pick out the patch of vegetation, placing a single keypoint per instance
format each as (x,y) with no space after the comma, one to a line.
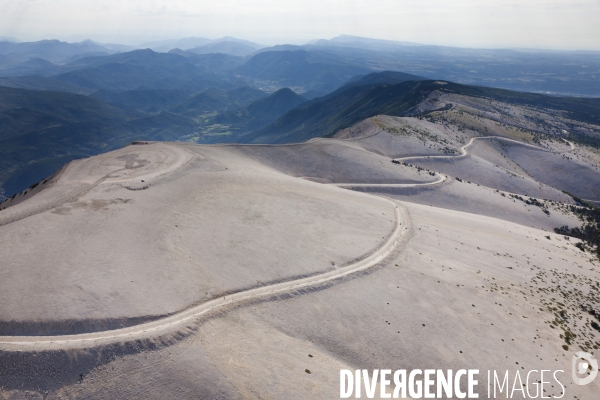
(583,139)
(569,298)
(577,108)
(326,116)
(532,201)
(589,232)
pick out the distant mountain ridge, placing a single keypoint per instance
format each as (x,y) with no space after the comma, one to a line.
(317,73)
(52,50)
(227,45)
(280,94)
(313,70)
(377,78)
(146,69)
(261,112)
(364,43)
(214,99)
(126,71)
(323,117)
(548,72)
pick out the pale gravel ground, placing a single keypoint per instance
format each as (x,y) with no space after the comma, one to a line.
(80,176)
(214,227)
(436,304)
(562,171)
(480,200)
(334,161)
(262,351)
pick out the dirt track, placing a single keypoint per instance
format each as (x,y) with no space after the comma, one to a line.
(441,177)
(156,328)
(180,319)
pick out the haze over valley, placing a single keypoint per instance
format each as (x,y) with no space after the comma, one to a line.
(219,218)
(210,91)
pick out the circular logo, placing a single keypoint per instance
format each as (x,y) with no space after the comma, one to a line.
(582,363)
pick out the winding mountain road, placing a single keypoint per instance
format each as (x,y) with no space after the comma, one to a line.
(180,320)
(464,152)
(184,318)
(441,177)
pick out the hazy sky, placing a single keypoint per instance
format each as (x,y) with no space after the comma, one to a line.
(552,24)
